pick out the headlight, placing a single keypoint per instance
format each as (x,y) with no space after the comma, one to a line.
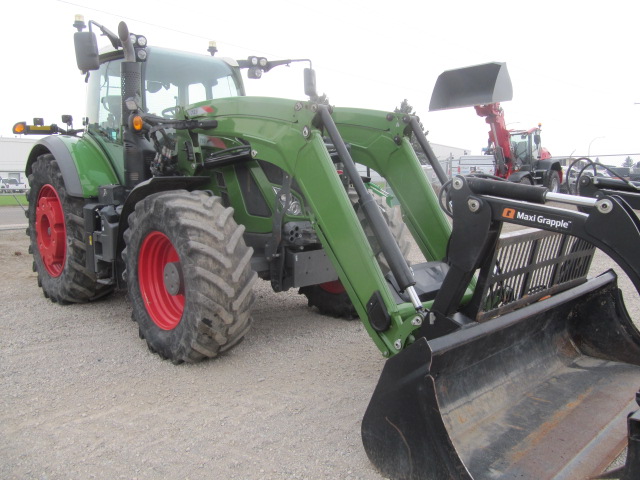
(295,207)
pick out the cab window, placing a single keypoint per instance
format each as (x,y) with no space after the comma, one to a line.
(105,114)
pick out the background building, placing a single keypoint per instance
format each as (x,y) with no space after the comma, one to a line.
(13,157)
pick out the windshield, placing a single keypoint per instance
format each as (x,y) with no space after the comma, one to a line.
(179,79)
(520,146)
(171,79)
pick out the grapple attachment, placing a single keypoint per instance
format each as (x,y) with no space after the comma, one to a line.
(469,86)
(539,385)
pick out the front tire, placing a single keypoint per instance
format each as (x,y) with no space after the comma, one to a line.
(553,182)
(189,275)
(526,181)
(56,232)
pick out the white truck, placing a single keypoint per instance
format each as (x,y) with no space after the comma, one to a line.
(467,164)
(12,185)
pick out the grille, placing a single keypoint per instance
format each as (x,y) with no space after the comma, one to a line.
(529,265)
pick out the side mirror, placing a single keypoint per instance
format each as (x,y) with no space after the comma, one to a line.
(310,83)
(536,139)
(86,51)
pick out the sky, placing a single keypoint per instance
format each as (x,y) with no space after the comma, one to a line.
(574,65)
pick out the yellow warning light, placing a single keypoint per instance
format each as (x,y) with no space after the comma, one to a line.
(19,128)
(137,123)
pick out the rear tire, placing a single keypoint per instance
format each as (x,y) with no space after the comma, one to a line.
(189,275)
(331,298)
(56,232)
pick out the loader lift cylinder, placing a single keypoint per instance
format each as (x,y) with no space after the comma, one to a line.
(401,271)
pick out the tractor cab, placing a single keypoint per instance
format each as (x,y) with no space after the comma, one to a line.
(170,80)
(526,148)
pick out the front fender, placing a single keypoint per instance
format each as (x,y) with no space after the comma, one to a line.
(83,165)
(546,166)
(517,177)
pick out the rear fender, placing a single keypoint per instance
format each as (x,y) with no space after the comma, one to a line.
(84,167)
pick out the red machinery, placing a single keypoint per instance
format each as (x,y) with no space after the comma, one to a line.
(518,153)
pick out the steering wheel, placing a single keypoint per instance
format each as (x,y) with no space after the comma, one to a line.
(169,112)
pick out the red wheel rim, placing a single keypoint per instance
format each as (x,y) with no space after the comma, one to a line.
(51,232)
(334,287)
(164,309)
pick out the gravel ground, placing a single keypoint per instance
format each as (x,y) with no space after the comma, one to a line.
(82,397)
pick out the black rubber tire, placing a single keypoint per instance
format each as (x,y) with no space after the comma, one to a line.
(74,284)
(525,181)
(553,181)
(215,265)
(335,302)
(330,299)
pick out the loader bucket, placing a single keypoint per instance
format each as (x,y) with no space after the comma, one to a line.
(469,86)
(537,393)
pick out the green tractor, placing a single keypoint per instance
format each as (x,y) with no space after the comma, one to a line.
(183,191)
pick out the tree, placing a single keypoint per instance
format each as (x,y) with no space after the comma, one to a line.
(407,109)
(628,162)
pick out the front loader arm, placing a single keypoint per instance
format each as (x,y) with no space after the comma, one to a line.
(498,136)
(381,142)
(291,135)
